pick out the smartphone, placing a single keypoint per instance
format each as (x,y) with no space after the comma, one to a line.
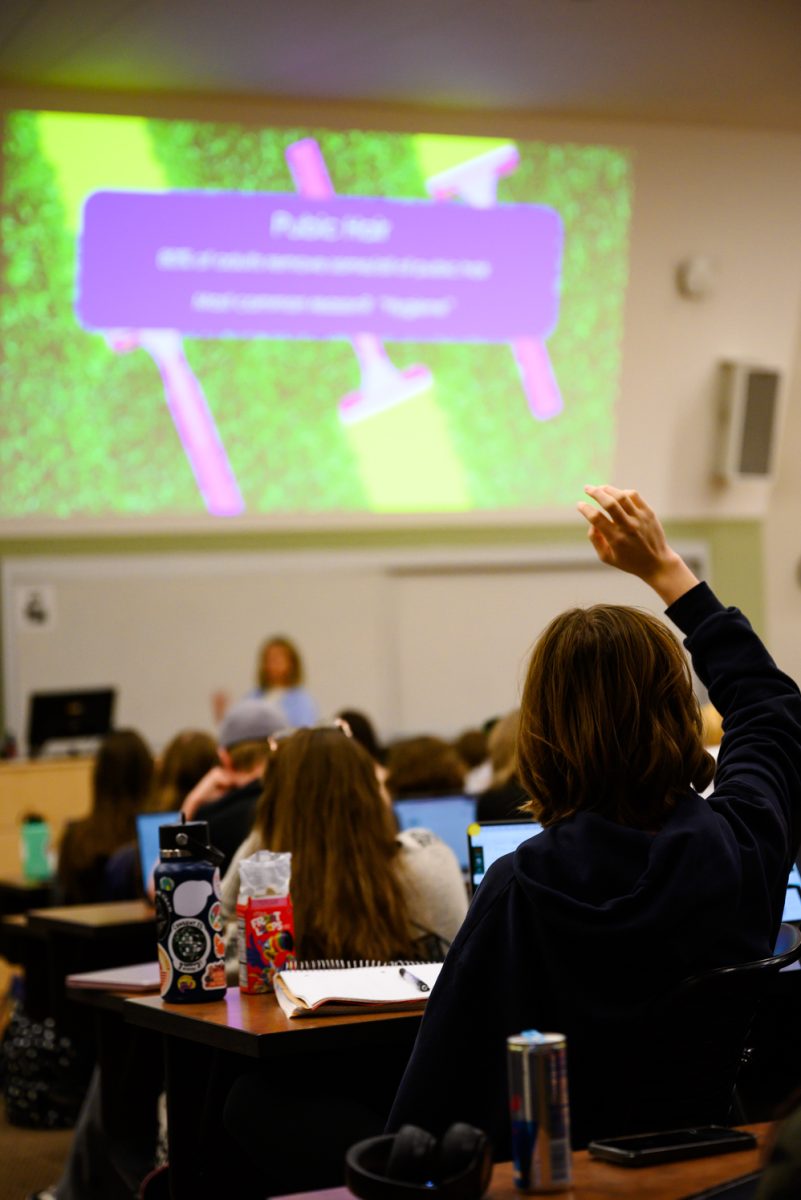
(646,1149)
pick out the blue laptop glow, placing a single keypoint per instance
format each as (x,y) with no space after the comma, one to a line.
(792,902)
(488,840)
(147,834)
(446,816)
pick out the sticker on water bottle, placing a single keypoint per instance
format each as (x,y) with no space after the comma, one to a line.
(189,945)
(214,976)
(165,971)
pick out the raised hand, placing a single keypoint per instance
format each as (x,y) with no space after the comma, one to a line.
(626,533)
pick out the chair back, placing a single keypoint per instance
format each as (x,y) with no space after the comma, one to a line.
(696,1037)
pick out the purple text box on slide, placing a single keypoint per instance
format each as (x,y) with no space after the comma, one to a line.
(260,264)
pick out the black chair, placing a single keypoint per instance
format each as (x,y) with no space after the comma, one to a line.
(700,1039)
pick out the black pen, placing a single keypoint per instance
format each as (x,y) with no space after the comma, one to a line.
(420,984)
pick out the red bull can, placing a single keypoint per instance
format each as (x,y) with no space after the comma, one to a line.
(539,1111)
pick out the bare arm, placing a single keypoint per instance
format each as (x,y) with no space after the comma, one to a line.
(626,533)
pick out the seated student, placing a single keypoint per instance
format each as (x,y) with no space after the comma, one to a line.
(471,746)
(505,797)
(359,888)
(121,781)
(636,882)
(189,756)
(364,732)
(227,794)
(424,766)
(359,891)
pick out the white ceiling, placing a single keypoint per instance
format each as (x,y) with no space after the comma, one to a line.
(721,62)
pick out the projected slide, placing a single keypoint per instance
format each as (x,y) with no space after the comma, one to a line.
(210,318)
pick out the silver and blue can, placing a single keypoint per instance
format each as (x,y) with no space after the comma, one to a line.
(540,1111)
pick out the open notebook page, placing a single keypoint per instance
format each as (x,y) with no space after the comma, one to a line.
(370,986)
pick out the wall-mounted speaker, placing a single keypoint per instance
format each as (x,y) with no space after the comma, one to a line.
(748,410)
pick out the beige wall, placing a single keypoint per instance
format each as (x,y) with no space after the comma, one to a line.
(732,196)
(782,542)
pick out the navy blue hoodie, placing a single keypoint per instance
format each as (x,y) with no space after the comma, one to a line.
(585,926)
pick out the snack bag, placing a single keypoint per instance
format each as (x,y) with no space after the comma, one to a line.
(264,919)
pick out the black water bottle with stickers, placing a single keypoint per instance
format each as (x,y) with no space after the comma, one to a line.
(189,920)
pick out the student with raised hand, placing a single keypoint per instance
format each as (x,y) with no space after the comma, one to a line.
(636,882)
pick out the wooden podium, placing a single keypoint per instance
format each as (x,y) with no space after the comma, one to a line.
(58,789)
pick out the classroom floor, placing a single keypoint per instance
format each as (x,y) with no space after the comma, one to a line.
(32,1158)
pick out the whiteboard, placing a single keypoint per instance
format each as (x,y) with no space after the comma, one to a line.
(420,641)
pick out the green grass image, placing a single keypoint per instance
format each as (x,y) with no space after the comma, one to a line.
(86,432)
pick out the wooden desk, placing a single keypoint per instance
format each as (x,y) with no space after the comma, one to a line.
(256,1027)
(594,1180)
(200,1039)
(17,895)
(88,937)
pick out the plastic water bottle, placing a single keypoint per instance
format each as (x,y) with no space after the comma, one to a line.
(189,920)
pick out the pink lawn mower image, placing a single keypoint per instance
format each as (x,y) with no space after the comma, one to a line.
(156,267)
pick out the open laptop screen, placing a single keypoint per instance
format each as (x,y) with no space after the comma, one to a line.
(792,901)
(446,816)
(147,833)
(489,840)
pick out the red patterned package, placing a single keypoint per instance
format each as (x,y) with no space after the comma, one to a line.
(264,920)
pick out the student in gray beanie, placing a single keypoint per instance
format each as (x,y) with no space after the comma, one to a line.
(226,796)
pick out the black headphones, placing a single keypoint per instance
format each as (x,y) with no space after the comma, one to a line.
(412,1163)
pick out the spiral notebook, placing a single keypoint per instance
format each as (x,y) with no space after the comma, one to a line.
(322,991)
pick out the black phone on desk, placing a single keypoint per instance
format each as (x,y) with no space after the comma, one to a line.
(647,1149)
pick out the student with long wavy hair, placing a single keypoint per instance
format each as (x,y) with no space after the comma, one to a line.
(184,761)
(121,781)
(359,889)
(637,882)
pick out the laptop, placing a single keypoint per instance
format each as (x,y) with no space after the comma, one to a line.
(68,717)
(488,840)
(147,834)
(446,816)
(792,900)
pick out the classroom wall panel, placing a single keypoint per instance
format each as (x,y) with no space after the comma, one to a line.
(421,641)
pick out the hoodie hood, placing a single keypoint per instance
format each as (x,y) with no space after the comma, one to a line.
(593,877)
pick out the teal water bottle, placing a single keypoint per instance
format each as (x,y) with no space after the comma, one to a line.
(189,921)
(35,849)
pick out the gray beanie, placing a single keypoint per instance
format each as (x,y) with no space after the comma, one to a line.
(251,720)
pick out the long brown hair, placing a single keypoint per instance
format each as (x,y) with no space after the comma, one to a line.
(184,761)
(322,802)
(609,720)
(424,766)
(121,783)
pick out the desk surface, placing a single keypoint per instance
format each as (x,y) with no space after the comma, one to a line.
(594,1180)
(255,1025)
(92,920)
(17,883)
